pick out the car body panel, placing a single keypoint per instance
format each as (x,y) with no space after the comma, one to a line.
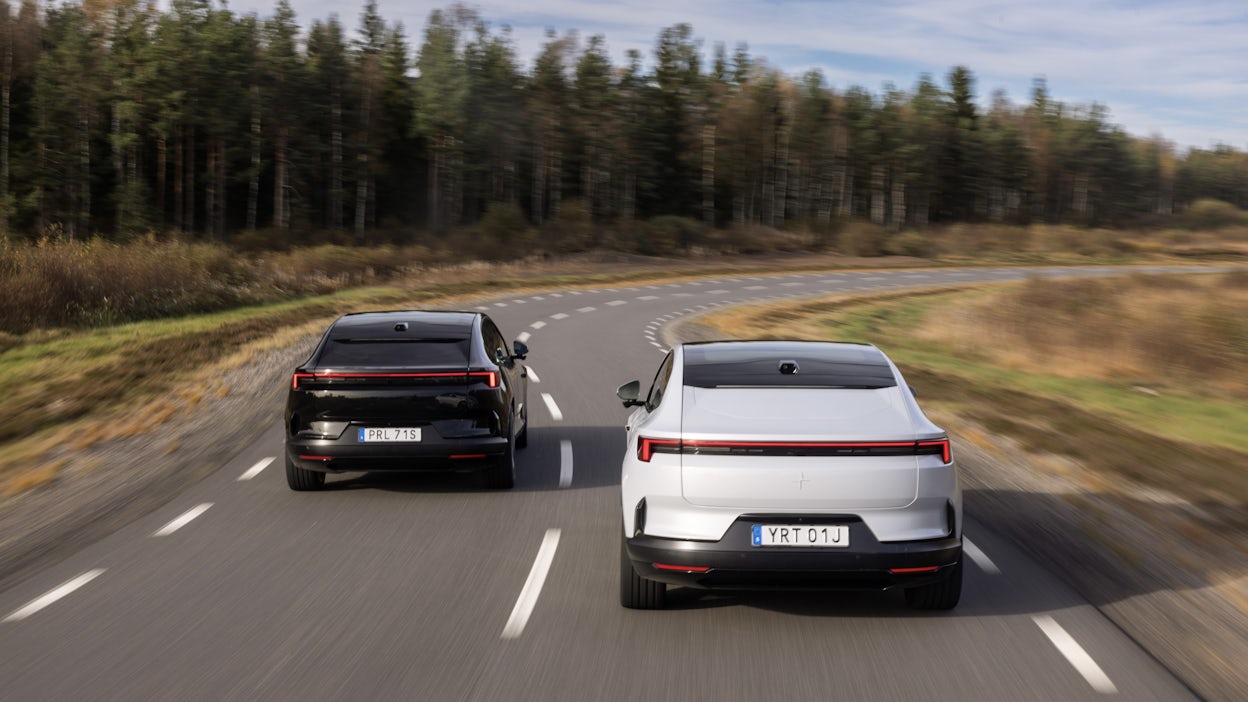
(785,455)
(410,369)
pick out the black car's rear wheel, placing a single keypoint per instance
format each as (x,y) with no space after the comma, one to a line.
(637,592)
(301,479)
(502,475)
(940,595)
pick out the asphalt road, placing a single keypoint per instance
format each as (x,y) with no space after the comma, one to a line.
(428,587)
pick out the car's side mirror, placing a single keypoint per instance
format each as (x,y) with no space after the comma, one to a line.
(520,350)
(630,393)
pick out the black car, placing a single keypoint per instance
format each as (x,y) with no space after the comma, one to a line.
(405,391)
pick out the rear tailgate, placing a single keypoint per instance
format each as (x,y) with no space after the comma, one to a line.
(798,448)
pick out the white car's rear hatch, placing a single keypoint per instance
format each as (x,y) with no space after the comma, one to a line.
(760,448)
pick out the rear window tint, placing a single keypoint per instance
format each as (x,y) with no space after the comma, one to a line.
(394,353)
(758,365)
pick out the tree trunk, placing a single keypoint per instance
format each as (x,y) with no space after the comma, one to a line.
(781,193)
(119,172)
(280,221)
(708,174)
(190,183)
(210,191)
(83,219)
(5,95)
(162,163)
(335,162)
(877,194)
(897,220)
(179,175)
(539,184)
(253,182)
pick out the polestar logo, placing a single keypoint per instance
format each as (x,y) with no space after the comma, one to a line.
(801,482)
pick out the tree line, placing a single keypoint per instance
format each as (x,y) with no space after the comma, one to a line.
(119,119)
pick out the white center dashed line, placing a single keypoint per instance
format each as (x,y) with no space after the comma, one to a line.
(1075,653)
(537,325)
(53,595)
(718,292)
(647,298)
(559,315)
(528,370)
(565,463)
(587,309)
(532,586)
(756,287)
(523,337)
(792,284)
(616,303)
(182,520)
(981,559)
(555,414)
(500,304)
(255,470)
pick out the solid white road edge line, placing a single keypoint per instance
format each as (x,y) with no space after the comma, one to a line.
(1074,653)
(53,595)
(255,470)
(981,559)
(528,370)
(565,463)
(555,414)
(532,586)
(183,520)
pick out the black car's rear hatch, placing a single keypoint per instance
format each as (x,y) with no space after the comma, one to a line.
(389,381)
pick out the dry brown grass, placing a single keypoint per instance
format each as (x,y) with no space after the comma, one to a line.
(1161,331)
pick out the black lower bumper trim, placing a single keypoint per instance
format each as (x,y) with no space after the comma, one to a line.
(733,564)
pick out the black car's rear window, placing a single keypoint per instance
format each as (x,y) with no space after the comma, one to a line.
(394,353)
(758,365)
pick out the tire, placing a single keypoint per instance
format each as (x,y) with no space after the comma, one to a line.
(502,475)
(637,592)
(522,439)
(942,595)
(301,479)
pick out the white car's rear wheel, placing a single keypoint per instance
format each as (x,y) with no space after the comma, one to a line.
(637,592)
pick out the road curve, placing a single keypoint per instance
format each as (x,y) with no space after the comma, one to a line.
(429,588)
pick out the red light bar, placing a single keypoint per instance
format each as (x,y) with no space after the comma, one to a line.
(491,377)
(646,448)
(465,456)
(316,458)
(908,571)
(682,568)
(799,444)
(943,444)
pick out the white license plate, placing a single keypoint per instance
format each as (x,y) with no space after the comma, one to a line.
(389,435)
(833,535)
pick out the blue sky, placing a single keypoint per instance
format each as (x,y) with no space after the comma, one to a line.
(1179,69)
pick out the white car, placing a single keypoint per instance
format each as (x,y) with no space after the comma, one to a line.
(790,464)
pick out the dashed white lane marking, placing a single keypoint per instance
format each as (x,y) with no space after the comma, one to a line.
(53,595)
(537,325)
(616,303)
(718,292)
(532,374)
(556,294)
(559,315)
(682,294)
(565,463)
(523,337)
(555,414)
(532,586)
(1074,653)
(518,302)
(500,304)
(981,559)
(648,297)
(483,308)
(182,520)
(792,284)
(756,287)
(587,309)
(255,470)
(538,298)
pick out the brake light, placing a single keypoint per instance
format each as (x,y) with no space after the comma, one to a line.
(911,571)
(682,568)
(490,377)
(940,446)
(646,448)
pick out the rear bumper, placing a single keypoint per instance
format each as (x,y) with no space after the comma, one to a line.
(341,456)
(733,564)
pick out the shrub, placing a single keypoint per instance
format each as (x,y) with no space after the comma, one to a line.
(1213,214)
(665,235)
(910,243)
(862,239)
